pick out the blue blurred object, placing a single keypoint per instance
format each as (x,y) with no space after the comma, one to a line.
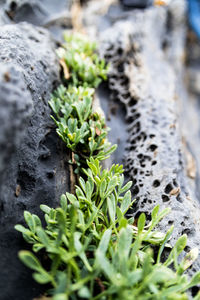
(194,15)
(137,3)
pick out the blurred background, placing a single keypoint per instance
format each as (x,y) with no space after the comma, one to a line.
(151,103)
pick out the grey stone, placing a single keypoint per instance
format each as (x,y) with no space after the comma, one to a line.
(35,11)
(54,15)
(145,71)
(37,171)
(16,108)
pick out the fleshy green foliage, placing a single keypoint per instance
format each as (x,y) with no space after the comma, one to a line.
(84,65)
(91,249)
(83,130)
(94,252)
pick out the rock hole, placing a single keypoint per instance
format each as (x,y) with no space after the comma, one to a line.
(2,207)
(120,51)
(32,38)
(132,102)
(126,96)
(195,290)
(188,231)
(137,116)
(120,68)
(124,81)
(13,6)
(50,174)
(26,181)
(156,183)
(168,188)
(135,190)
(170,222)
(134,181)
(152,147)
(187,249)
(165,198)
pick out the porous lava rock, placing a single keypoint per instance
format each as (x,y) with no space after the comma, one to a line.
(143,76)
(36,172)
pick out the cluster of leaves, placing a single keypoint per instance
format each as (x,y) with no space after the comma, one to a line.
(84,66)
(95,252)
(83,130)
(92,250)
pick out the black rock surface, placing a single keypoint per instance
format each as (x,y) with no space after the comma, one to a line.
(36,173)
(145,76)
(15,112)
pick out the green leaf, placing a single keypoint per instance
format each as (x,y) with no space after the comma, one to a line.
(22,229)
(37,247)
(103,188)
(63,202)
(120,215)
(60,297)
(126,187)
(155,212)
(105,266)
(123,223)
(30,221)
(126,202)
(167,236)
(37,221)
(111,207)
(111,185)
(84,292)
(178,248)
(82,183)
(43,236)
(141,223)
(190,258)
(30,260)
(79,248)
(103,245)
(93,168)
(61,217)
(73,200)
(42,278)
(194,281)
(124,243)
(46,209)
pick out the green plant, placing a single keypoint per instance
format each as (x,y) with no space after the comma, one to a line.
(94,252)
(83,130)
(84,66)
(90,248)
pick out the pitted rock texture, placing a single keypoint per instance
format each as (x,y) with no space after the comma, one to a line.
(36,173)
(144,81)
